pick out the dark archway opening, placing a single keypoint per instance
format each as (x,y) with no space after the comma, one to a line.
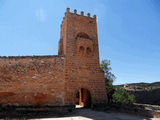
(82,35)
(83,98)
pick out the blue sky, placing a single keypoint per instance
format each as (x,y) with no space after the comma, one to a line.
(128,32)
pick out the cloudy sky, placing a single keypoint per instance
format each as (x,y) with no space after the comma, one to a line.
(128,32)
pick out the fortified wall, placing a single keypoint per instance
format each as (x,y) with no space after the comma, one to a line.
(72,77)
(32,80)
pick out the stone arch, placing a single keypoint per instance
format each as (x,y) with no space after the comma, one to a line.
(83,97)
(83,35)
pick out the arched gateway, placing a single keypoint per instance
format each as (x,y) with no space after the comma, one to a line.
(83,98)
(53,80)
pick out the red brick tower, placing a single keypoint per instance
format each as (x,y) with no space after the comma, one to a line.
(79,44)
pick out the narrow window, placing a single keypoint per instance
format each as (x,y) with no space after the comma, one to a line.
(88,51)
(81,50)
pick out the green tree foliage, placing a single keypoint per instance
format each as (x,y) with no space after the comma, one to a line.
(105,67)
(121,96)
(109,78)
(114,94)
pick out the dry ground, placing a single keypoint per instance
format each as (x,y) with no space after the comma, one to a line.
(88,114)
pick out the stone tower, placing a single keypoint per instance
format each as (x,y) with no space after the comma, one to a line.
(79,44)
(64,80)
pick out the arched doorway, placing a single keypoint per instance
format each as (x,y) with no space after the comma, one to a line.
(83,98)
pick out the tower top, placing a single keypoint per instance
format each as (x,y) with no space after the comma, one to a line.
(81,14)
(81,31)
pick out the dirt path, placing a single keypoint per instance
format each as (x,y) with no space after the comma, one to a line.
(88,114)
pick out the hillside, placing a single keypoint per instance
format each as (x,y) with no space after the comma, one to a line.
(145,93)
(141,86)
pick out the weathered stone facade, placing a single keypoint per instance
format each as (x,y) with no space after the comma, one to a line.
(57,80)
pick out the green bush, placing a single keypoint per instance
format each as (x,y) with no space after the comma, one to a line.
(110,91)
(121,96)
(109,78)
(114,94)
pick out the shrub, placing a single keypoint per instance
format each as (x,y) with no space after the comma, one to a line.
(110,91)
(109,78)
(121,96)
(114,94)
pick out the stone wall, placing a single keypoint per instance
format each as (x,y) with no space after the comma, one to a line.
(147,96)
(55,80)
(32,80)
(79,44)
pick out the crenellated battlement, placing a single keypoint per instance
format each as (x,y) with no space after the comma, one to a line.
(81,14)
(68,12)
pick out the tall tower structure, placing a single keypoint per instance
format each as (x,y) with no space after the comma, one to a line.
(69,78)
(79,44)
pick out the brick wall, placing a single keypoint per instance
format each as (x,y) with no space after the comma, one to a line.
(80,47)
(36,80)
(55,80)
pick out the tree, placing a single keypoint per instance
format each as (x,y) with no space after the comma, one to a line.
(115,94)
(121,96)
(109,78)
(105,67)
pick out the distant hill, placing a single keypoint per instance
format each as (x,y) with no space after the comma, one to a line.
(145,93)
(141,86)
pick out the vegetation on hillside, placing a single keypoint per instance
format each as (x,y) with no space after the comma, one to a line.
(142,86)
(121,96)
(115,94)
(145,93)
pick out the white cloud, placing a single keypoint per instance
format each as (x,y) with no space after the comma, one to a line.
(41,15)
